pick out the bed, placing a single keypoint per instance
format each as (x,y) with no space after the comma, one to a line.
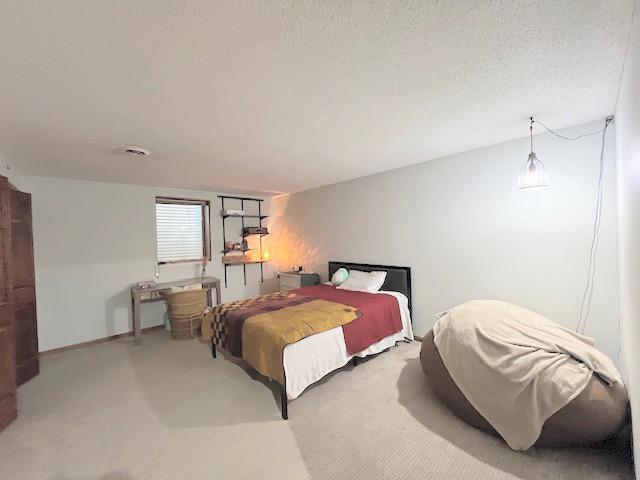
(340,325)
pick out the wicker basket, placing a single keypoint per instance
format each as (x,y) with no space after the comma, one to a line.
(186,310)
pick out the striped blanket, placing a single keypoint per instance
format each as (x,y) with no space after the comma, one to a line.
(258,329)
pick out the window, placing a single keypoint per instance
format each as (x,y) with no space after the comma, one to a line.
(182,230)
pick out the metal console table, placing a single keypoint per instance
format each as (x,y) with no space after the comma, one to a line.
(154,294)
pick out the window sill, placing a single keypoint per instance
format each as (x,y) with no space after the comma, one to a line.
(182,262)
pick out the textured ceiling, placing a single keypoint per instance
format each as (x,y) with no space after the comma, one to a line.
(284,96)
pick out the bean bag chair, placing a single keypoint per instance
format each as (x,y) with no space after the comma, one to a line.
(596,409)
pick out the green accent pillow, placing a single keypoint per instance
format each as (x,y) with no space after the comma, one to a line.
(339,276)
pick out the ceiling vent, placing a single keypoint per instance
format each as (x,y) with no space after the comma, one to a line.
(135,151)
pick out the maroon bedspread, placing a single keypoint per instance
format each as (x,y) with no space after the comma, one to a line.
(237,312)
(380,315)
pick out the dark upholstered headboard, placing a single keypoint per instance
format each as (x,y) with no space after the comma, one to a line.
(398,278)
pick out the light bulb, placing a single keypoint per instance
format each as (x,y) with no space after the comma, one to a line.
(532,174)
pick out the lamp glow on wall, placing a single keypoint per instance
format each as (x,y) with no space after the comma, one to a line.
(532,174)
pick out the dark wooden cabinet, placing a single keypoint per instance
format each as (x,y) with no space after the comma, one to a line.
(24,287)
(18,325)
(7,325)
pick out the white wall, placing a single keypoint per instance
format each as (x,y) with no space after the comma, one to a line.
(628,158)
(459,222)
(92,241)
(466,231)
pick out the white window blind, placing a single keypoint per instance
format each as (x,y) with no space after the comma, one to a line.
(180,232)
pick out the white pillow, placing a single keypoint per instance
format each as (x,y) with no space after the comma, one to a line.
(339,276)
(369,282)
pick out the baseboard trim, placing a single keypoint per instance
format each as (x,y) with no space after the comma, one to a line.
(121,335)
(97,341)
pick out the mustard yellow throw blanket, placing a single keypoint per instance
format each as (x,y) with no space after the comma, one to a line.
(266,335)
(258,329)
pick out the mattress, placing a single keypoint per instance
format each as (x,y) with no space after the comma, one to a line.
(308,360)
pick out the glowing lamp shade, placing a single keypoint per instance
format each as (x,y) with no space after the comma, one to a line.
(532,174)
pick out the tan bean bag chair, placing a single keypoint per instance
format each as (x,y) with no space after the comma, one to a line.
(596,414)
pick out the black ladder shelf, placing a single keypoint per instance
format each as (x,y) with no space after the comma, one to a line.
(260,217)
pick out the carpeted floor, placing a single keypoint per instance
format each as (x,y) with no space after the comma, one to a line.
(167,410)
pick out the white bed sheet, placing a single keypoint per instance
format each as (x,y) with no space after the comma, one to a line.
(308,360)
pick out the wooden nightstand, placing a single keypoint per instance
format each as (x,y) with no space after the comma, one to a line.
(291,280)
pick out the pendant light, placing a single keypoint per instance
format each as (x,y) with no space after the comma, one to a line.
(532,174)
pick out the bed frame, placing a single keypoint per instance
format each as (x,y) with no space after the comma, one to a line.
(398,280)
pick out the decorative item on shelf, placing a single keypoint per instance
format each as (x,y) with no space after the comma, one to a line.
(146,284)
(241,246)
(234,259)
(255,231)
(233,213)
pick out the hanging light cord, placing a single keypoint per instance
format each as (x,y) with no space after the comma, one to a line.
(531,132)
(585,306)
(568,138)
